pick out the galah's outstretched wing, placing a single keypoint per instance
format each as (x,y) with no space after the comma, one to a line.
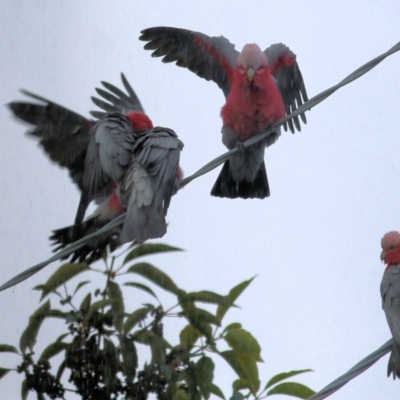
(211,58)
(116,99)
(108,157)
(63,134)
(290,83)
(150,183)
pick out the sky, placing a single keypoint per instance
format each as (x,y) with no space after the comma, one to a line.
(314,244)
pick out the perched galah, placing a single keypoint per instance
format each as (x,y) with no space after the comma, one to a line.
(260,88)
(65,137)
(390,292)
(144,163)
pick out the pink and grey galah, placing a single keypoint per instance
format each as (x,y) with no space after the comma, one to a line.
(121,162)
(390,292)
(260,88)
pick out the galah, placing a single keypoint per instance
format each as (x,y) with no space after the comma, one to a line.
(260,88)
(144,163)
(390,292)
(65,137)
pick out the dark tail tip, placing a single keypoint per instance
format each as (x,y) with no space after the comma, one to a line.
(225,186)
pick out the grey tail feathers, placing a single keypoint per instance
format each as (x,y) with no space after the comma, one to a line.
(143,223)
(225,186)
(91,251)
(394,362)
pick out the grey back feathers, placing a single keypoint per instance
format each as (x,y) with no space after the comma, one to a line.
(143,165)
(150,183)
(390,292)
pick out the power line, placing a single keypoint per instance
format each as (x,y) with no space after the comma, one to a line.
(358,369)
(208,167)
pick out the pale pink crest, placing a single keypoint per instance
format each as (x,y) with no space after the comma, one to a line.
(391,238)
(252,57)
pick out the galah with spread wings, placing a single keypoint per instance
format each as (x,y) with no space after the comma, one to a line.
(143,162)
(65,137)
(260,88)
(390,292)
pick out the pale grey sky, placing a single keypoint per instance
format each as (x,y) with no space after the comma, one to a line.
(335,186)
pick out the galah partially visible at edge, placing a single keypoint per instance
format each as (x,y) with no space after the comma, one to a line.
(390,292)
(143,161)
(65,137)
(260,88)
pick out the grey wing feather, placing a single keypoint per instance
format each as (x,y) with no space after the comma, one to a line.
(108,155)
(390,291)
(63,134)
(116,99)
(211,58)
(151,182)
(290,83)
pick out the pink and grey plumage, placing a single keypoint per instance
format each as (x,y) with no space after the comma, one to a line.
(65,137)
(260,88)
(390,292)
(143,161)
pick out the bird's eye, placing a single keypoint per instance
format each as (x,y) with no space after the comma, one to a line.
(391,247)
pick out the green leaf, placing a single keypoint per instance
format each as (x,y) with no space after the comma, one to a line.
(234,293)
(98,304)
(40,396)
(188,336)
(28,337)
(61,370)
(214,389)
(129,356)
(204,370)
(242,341)
(197,316)
(133,319)
(110,365)
(234,325)
(141,287)
(62,337)
(53,349)
(240,384)
(56,314)
(62,275)
(237,396)
(181,395)
(154,275)
(85,305)
(146,337)
(158,349)
(117,305)
(206,297)
(24,390)
(79,286)
(284,375)
(4,372)
(245,366)
(6,348)
(148,249)
(292,389)
(40,287)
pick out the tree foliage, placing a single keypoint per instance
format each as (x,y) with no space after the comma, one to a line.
(99,348)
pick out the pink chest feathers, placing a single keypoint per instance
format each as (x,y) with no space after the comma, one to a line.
(251,108)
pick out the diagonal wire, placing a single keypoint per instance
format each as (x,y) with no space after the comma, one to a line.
(208,167)
(358,369)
